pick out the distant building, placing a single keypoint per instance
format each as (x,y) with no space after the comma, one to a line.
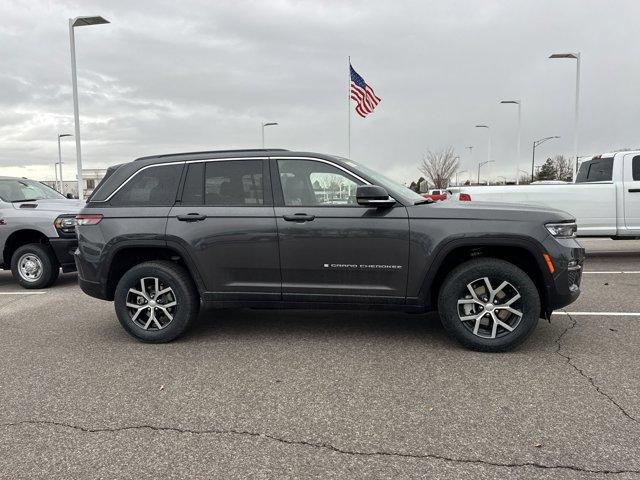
(90,179)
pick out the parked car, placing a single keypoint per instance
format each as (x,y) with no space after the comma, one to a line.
(605,197)
(163,235)
(37,231)
(436,195)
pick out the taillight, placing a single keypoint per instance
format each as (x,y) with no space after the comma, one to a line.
(89,219)
(465,197)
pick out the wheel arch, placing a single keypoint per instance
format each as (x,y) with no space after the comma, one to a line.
(132,253)
(18,238)
(523,252)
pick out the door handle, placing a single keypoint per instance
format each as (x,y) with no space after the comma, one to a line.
(634,190)
(299,218)
(191,217)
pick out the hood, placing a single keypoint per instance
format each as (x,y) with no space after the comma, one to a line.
(60,205)
(490,211)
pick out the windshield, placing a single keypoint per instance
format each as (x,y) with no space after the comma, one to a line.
(398,189)
(19,190)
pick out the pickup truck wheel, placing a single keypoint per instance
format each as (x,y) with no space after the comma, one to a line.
(35,266)
(156,301)
(489,304)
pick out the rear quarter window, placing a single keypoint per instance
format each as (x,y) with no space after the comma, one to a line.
(635,168)
(154,186)
(596,170)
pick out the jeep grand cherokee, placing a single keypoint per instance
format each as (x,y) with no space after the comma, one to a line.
(163,235)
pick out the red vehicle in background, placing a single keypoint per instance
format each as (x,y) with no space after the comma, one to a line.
(436,195)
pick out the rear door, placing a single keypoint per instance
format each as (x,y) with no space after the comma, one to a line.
(225,222)
(331,248)
(631,185)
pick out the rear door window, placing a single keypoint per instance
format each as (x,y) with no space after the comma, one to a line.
(228,183)
(596,170)
(153,187)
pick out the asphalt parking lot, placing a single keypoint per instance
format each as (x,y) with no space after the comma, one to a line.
(308,394)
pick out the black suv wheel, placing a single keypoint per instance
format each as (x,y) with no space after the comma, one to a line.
(35,266)
(489,304)
(156,301)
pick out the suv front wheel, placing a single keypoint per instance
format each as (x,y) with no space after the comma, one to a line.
(489,304)
(156,301)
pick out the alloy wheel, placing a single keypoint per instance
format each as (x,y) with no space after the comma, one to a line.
(490,312)
(153,305)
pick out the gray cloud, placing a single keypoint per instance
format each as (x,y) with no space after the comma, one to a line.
(172,76)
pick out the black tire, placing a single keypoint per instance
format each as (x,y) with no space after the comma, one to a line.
(184,293)
(46,265)
(455,287)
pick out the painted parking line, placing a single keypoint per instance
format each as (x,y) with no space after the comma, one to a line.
(40,292)
(624,272)
(590,314)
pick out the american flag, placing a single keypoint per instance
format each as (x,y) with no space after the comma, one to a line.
(363,94)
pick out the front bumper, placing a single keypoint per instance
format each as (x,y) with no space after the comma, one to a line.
(64,249)
(568,258)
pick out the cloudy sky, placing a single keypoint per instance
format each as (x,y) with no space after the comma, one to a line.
(169,76)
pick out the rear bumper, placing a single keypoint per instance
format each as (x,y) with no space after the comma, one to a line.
(64,249)
(91,288)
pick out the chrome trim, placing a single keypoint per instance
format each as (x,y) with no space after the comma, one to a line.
(173,163)
(202,160)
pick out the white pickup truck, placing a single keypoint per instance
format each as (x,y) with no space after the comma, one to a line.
(605,197)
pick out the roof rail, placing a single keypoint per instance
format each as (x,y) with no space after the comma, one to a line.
(244,150)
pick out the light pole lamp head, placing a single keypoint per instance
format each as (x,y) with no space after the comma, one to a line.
(269,124)
(565,55)
(60,135)
(90,20)
(482,126)
(517,102)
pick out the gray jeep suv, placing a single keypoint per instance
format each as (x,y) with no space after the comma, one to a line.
(163,235)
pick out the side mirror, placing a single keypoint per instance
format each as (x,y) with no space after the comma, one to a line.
(373,196)
(70,195)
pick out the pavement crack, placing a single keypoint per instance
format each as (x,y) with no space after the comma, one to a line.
(319,445)
(569,361)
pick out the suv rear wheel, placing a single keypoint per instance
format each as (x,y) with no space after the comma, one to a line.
(35,266)
(156,301)
(489,304)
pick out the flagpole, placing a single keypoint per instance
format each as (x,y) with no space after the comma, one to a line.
(349,109)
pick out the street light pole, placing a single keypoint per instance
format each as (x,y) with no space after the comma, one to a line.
(525,173)
(60,135)
(519,103)
(458,173)
(268,124)
(488,140)
(78,22)
(575,56)
(480,166)
(533,155)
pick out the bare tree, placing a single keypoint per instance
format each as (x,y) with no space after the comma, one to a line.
(564,168)
(439,166)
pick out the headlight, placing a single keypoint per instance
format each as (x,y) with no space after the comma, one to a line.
(66,224)
(562,230)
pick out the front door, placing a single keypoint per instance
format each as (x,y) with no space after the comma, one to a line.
(226,222)
(631,186)
(331,248)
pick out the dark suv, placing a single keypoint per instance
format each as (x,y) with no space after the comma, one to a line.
(163,235)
